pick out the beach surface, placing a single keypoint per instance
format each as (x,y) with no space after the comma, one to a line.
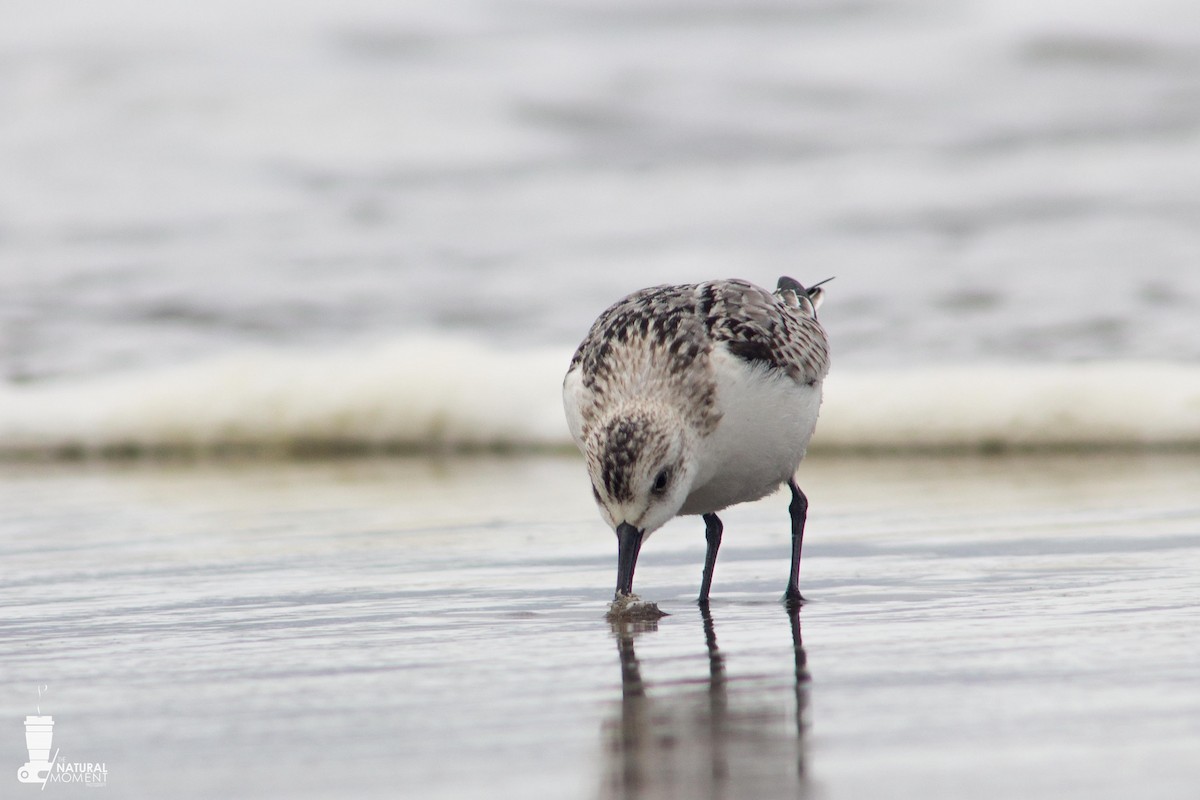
(976,627)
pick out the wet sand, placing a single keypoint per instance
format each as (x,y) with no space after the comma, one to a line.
(986,628)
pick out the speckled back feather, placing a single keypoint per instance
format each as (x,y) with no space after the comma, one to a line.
(660,340)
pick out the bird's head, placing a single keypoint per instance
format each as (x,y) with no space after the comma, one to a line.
(639,461)
(641,466)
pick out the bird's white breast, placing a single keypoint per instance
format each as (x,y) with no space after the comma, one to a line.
(768,419)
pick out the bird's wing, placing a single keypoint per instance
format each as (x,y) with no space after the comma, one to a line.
(758,326)
(664,336)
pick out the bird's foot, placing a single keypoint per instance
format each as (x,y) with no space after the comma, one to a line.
(792,598)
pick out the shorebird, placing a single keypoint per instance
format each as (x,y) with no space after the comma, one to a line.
(689,399)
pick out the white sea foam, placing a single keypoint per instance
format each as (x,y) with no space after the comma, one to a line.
(1060,406)
(422,393)
(429,394)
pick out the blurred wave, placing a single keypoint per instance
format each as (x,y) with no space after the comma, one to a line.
(429,394)
(989,181)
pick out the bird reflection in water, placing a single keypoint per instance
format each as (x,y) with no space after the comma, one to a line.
(708,738)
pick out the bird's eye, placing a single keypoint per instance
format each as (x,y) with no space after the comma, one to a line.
(660,482)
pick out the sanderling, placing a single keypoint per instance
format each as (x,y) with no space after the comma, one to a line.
(689,399)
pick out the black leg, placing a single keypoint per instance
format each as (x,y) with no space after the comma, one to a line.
(712,532)
(799,512)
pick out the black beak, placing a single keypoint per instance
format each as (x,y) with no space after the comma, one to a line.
(629,542)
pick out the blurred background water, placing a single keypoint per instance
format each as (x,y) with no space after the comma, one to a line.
(987,180)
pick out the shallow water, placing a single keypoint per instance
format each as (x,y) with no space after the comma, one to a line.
(987,628)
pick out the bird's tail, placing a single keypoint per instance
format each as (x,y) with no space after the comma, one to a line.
(792,292)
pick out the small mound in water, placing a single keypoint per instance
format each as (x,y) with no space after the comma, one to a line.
(630,608)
